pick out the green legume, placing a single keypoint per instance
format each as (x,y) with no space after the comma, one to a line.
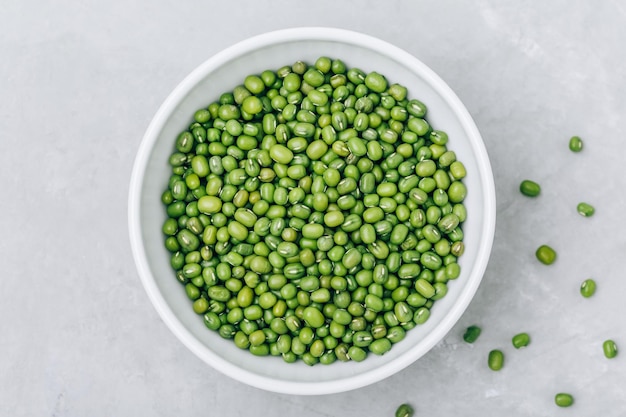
(356,146)
(585,209)
(376,82)
(187,240)
(313,317)
(530,188)
(457,170)
(418,125)
(416,108)
(575,144)
(314,213)
(495,360)
(237,230)
(545,254)
(457,192)
(471,334)
(209,204)
(333,218)
(403,312)
(520,340)
(281,154)
(441,289)
(588,288)
(373,215)
(563,399)
(380,346)
(610,349)
(373,302)
(404,410)
(218,293)
(421,315)
(431,260)
(425,168)
(424,288)
(379,249)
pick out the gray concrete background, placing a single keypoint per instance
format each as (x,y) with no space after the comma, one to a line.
(79,83)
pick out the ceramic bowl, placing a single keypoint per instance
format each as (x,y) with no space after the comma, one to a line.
(222,72)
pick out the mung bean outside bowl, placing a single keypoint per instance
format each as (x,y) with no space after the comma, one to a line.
(221,73)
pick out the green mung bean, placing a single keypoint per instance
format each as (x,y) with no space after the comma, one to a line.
(563,399)
(610,349)
(495,360)
(588,288)
(471,334)
(575,144)
(530,188)
(520,340)
(585,209)
(545,254)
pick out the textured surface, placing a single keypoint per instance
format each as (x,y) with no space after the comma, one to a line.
(79,84)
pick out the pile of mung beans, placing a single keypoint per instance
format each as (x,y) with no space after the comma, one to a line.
(313,213)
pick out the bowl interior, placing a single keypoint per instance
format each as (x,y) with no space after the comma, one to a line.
(222,73)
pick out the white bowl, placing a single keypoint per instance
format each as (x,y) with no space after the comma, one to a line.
(224,71)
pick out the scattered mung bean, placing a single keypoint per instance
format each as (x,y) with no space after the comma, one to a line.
(585,209)
(545,254)
(610,349)
(404,410)
(495,360)
(520,340)
(563,399)
(471,334)
(588,288)
(575,144)
(530,188)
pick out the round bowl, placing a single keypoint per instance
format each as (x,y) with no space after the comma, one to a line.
(223,72)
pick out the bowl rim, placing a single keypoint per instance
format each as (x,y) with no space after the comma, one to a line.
(148,142)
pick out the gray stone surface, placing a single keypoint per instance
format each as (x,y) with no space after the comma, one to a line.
(79,83)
